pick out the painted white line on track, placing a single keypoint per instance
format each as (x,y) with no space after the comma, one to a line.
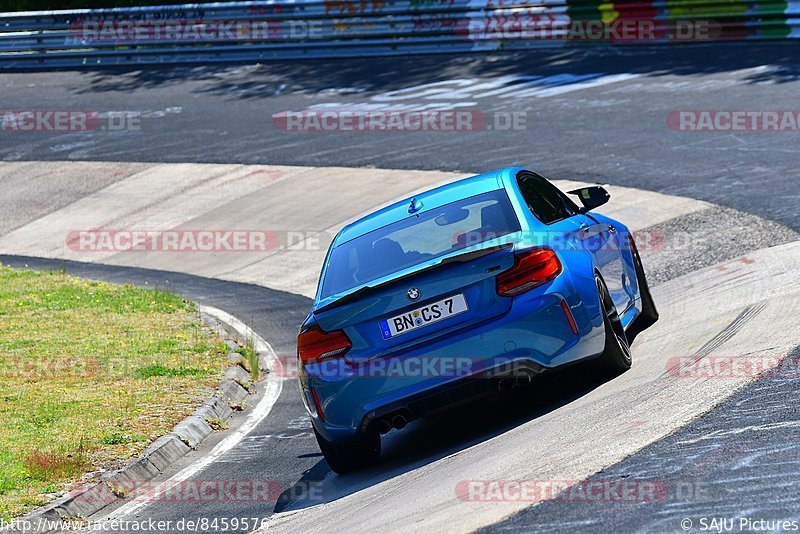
(753,428)
(579,86)
(272,391)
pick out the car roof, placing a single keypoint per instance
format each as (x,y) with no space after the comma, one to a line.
(430,199)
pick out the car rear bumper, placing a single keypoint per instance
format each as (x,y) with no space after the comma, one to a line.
(533,336)
(451,395)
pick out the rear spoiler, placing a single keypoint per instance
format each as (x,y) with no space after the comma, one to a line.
(457,258)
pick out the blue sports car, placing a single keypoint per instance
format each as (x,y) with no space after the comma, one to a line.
(471,287)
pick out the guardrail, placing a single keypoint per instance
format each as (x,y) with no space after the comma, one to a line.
(285,29)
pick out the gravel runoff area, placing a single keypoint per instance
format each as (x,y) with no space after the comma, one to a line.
(697,240)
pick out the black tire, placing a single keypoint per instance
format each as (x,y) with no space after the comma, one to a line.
(616,357)
(351,455)
(649,313)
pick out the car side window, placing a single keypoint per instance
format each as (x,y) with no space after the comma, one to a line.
(546,202)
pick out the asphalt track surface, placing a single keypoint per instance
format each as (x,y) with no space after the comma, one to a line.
(614,133)
(282,449)
(730,469)
(738,462)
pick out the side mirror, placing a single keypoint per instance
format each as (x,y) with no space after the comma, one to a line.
(591,197)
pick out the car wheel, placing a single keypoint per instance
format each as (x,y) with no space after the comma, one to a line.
(351,455)
(616,357)
(649,314)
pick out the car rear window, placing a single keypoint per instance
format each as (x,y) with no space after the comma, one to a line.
(416,239)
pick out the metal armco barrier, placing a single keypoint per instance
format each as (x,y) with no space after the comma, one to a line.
(254,31)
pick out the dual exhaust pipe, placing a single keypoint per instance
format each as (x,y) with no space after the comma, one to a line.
(507,384)
(398,421)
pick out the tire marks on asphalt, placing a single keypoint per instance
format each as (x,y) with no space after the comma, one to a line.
(731,330)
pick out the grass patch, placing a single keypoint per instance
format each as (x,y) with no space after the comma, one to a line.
(250,360)
(45,465)
(217,424)
(90,374)
(163,370)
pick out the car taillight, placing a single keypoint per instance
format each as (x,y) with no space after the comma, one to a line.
(531,269)
(314,344)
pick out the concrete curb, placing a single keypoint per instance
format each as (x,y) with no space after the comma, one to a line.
(163,452)
(224,196)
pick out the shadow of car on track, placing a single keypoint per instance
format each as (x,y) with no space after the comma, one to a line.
(427,440)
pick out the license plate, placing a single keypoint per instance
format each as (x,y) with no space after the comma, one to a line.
(421,317)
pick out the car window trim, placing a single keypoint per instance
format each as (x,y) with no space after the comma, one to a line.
(530,174)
